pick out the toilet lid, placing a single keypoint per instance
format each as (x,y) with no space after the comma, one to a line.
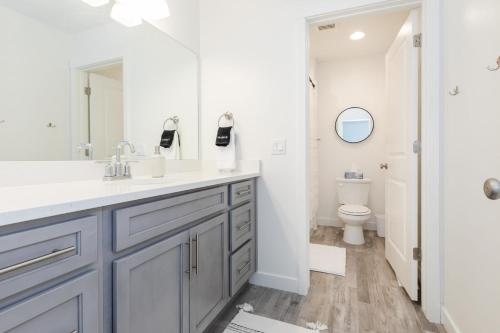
(355,210)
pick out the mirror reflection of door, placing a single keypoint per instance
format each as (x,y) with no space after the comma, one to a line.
(105,110)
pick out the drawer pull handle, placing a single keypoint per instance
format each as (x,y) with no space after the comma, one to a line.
(245,192)
(244,267)
(34,261)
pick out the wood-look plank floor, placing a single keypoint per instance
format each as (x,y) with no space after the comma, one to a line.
(367,300)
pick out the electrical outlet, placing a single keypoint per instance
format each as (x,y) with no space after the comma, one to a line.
(279,147)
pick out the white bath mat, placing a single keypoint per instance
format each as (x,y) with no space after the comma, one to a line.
(327,259)
(245,322)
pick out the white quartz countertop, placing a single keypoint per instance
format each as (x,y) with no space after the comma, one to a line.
(24,203)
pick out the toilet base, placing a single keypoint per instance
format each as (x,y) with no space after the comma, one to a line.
(353,234)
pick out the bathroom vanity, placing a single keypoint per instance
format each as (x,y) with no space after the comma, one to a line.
(125,258)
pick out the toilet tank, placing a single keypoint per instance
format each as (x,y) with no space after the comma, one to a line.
(353,191)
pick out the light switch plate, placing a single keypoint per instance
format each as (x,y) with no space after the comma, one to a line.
(279,147)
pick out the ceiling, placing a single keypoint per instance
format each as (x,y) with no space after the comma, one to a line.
(380,30)
(114,72)
(70,16)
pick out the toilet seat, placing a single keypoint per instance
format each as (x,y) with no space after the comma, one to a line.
(355,210)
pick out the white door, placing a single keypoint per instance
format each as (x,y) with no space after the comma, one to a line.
(471,152)
(402,75)
(106,115)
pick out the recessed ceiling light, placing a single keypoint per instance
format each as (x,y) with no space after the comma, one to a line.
(358,35)
(96,3)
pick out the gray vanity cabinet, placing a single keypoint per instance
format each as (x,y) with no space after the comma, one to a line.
(151,288)
(165,264)
(71,307)
(209,272)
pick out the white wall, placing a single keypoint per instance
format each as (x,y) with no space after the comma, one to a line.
(313,147)
(160,81)
(34,90)
(183,24)
(344,83)
(254,64)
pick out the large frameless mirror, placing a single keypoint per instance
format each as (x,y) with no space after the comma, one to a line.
(354,125)
(76,82)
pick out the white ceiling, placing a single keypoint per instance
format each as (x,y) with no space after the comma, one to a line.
(67,15)
(380,29)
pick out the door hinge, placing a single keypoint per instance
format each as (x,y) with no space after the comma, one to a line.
(417,254)
(87,91)
(417,147)
(417,40)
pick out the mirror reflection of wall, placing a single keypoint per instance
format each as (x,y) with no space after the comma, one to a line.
(137,76)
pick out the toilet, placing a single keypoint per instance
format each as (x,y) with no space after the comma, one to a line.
(353,210)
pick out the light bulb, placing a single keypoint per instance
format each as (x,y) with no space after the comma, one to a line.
(153,9)
(125,14)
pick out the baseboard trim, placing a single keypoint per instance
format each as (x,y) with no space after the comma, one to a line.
(329,222)
(449,324)
(275,281)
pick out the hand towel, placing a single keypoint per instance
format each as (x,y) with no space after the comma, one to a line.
(174,152)
(223,136)
(226,155)
(167,138)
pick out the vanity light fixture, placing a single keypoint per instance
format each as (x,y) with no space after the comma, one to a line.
(130,13)
(358,35)
(124,13)
(152,9)
(96,3)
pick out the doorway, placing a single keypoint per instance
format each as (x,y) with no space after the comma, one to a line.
(101,111)
(431,99)
(364,165)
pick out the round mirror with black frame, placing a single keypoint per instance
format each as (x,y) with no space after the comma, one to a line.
(354,125)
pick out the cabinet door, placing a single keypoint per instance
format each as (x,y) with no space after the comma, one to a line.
(209,275)
(151,288)
(69,308)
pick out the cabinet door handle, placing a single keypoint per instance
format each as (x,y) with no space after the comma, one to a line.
(75,331)
(245,192)
(31,262)
(188,271)
(197,253)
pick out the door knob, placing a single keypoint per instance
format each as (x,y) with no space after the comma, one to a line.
(384,166)
(492,188)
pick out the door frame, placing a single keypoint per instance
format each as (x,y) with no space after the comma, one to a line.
(431,134)
(82,67)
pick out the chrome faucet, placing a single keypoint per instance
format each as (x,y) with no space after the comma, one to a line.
(119,170)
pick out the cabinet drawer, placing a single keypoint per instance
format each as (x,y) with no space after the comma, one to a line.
(137,224)
(242,192)
(242,224)
(69,308)
(242,267)
(29,258)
